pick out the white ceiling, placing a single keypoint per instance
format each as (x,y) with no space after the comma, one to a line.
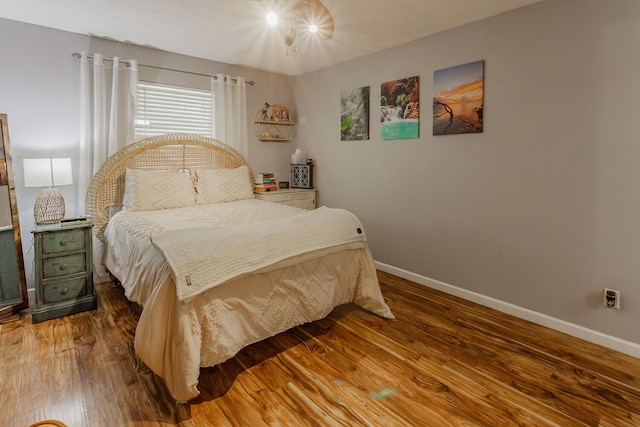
(235,31)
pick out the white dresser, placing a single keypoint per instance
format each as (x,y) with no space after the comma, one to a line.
(304,198)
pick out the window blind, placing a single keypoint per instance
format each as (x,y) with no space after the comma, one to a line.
(171,109)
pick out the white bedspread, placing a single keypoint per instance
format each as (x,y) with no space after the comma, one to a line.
(175,338)
(203,257)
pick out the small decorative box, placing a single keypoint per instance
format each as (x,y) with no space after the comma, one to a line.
(301,176)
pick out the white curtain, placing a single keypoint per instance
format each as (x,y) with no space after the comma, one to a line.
(108,99)
(230,112)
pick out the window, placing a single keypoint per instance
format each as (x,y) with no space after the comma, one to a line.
(171,109)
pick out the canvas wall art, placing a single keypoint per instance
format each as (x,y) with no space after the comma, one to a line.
(354,114)
(458,99)
(400,109)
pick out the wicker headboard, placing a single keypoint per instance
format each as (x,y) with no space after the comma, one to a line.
(171,152)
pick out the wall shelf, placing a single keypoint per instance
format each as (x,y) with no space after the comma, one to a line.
(273,130)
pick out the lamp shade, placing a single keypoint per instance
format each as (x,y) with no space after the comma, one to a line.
(47,172)
(49,207)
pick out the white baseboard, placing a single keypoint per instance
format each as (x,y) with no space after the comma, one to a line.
(581,332)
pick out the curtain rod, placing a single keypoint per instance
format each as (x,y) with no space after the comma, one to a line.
(127,64)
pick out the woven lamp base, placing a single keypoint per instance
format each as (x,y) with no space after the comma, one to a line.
(49,207)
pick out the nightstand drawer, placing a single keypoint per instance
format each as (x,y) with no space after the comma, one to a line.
(304,198)
(63,241)
(279,198)
(63,265)
(65,290)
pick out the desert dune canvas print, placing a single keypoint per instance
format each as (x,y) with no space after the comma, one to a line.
(400,109)
(458,100)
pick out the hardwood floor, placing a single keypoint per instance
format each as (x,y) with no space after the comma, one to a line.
(443,362)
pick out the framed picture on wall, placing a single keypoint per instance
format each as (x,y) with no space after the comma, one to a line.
(458,99)
(400,109)
(354,114)
(281,114)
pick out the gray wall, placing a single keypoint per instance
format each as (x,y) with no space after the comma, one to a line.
(39,92)
(542,210)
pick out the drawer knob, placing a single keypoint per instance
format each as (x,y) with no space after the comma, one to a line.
(64,266)
(64,291)
(64,242)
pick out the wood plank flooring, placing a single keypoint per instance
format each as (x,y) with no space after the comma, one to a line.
(442,362)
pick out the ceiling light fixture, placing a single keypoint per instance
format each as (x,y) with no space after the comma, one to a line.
(272,18)
(301,16)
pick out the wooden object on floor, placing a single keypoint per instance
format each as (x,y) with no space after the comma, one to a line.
(443,362)
(49,423)
(8,318)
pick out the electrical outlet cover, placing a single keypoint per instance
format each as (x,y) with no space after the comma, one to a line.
(611,298)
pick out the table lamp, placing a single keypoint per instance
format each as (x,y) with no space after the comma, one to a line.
(49,207)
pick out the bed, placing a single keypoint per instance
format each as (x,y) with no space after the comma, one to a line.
(213,268)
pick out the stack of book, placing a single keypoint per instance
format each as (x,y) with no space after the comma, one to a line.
(265,182)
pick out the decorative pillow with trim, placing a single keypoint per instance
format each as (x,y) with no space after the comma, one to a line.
(223,185)
(146,190)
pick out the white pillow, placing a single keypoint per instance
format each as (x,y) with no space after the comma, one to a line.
(146,190)
(223,185)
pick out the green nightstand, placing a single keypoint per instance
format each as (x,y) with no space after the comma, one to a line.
(63,270)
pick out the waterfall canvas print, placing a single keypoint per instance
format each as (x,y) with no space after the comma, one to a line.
(458,100)
(400,109)
(354,114)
